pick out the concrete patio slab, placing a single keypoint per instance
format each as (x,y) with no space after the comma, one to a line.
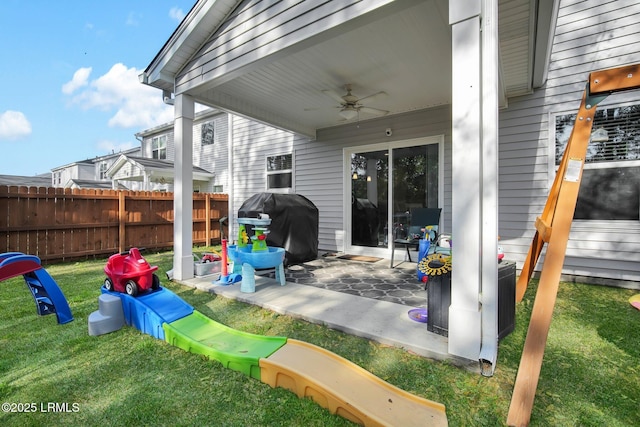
(381,321)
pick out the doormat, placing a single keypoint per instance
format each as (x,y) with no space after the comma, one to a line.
(362,258)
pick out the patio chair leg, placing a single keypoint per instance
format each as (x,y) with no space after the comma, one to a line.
(408,254)
(393,249)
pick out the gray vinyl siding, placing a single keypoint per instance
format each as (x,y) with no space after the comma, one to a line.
(252,143)
(213,157)
(258,28)
(590,35)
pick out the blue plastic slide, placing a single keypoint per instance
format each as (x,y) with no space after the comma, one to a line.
(46,293)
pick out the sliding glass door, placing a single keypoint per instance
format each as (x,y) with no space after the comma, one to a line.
(369,198)
(415,182)
(385,182)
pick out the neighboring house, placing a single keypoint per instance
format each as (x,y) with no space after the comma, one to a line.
(43,180)
(150,167)
(153,168)
(92,183)
(62,176)
(476,96)
(141,173)
(90,173)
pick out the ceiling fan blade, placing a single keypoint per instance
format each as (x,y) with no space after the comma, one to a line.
(374,97)
(334,96)
(373,111)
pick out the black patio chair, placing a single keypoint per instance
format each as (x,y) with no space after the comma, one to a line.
(419,219)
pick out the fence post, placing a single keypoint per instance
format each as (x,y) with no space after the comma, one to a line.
(207,216)
(121,221)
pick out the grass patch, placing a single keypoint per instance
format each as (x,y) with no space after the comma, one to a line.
(590,375)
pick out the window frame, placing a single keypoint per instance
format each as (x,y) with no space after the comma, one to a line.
(159,149)
(102,171)
(589,225)
(269,173)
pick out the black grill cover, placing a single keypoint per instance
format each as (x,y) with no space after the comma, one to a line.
(294,223)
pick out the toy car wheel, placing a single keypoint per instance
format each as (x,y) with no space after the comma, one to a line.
(108,284)
(155,283)
(131,287)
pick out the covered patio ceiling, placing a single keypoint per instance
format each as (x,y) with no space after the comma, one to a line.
(402,49)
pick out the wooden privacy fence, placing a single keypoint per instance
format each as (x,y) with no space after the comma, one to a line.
(62,224)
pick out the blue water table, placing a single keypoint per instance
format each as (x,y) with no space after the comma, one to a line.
(252,252)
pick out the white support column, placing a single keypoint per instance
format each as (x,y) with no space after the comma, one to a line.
(473,314)
(464,313)
(230,187)
(146,178)
(183,188)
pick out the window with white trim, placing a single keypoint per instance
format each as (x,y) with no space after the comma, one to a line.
(610,187)
(280,172)
(159,147)
(102,171)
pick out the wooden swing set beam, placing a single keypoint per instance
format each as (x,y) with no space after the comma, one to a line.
(553,227)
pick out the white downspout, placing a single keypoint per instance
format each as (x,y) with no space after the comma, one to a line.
(489,101)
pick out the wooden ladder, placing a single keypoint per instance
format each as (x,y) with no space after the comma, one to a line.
(553,227)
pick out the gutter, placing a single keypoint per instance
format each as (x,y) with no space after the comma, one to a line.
(546,17)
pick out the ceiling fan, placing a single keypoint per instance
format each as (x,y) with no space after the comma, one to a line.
(350,105)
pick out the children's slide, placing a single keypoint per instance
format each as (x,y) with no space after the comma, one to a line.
(236,350)
(346,389)
(46,293)
(309,371)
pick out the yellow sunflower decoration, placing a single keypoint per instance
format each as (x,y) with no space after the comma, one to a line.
(435,264)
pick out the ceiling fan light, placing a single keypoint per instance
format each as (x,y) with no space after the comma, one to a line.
(348,113)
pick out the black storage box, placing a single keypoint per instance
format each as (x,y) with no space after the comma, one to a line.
(506,298)
(294,223)
(439,300)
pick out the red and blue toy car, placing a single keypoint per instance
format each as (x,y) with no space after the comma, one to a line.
(129,272)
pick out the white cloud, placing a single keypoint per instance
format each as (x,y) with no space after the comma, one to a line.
(14,125)
(132,19)
(80,79)
(135,105)
(176,13)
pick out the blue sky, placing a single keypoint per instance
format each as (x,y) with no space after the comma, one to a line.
(70,78)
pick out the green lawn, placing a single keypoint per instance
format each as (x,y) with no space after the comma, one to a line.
(590,375)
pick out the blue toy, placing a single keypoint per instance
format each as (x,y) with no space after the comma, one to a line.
(46,293)
(249,257)
(225,277)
